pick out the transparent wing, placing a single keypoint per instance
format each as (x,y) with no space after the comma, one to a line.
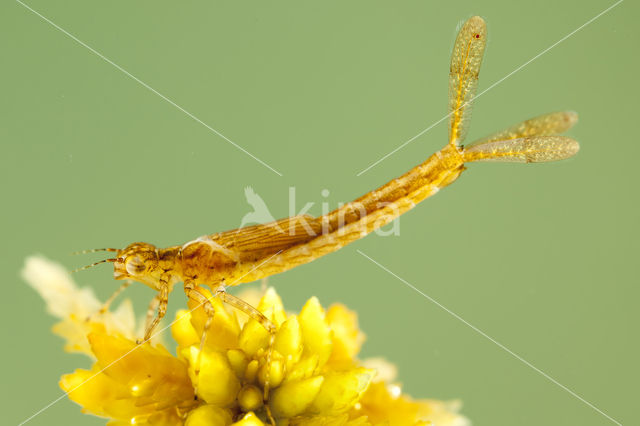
(466,59)
(547,124)
(254,242)
(536,149)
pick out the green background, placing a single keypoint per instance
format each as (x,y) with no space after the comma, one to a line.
(542,258)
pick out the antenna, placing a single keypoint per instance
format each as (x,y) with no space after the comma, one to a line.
(94,251)
(94,264)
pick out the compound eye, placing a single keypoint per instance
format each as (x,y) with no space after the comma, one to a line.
(135,266)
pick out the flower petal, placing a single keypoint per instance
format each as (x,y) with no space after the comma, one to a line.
(288,341)
(101,395)
(253,338)
(76,307)
(316,333)
(238,361)
(293,398)
(182,330)
(340,391)
(303,369)
(347,337)
(224,328)
(62,295)
(148,371)
(271,305)
(250,398)
(208,415)
(385,370)
(340,420)
(250,419)
(217,383)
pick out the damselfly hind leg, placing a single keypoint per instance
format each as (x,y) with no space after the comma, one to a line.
(199,296)
(270,327)
(258,316)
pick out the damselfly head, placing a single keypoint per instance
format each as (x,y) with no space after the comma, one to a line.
(136,261)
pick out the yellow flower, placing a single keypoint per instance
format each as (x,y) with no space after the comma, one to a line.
(134,384)
(314,376)
(307,377)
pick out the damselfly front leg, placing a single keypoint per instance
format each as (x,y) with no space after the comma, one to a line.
(105,306)
(109,301)
(163,299)
(271,328)
(159,303)
(151,310)
(194,293)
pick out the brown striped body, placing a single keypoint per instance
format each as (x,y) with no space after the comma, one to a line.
(248,254)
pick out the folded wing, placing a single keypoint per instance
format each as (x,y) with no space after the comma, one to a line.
(535,149)
(259,241)
(543,125)
(466,59)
